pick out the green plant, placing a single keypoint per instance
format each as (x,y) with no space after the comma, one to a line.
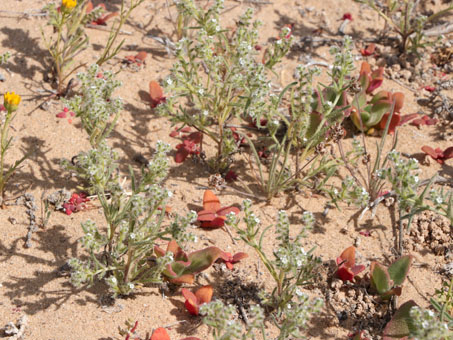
(387,281)
(292,267)
(110,50)
(217,78)
(11,102)
(68,22)
(183,267)
(443,303)
(404,17)
(134,213)
(313,120)
(4,57)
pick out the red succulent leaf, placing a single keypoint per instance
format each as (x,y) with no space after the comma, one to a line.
(424,120)
(62,114)
(396,118)
(206,216)
(225,211)
(369,50)
(156,93)
(377,78)
(430,88)
(159,251)
(345,274)
(160,334)
(347,257)
(204,294)
(217,222)
(398,97)
(239,256)
(448,153)
(408,118)
(357,269)
(231,176)
(181,154)
(347,16)
(210,201)
(436,154)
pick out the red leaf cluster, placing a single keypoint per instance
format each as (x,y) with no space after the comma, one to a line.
(75,203)
(65,113)
(437,154)
(425,120)
(230,259)
(138,59)
(190,143)
(347,269)
(347,16)
(161,334)
(213,214)
(370,80)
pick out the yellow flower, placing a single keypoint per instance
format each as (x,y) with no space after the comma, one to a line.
(11,101)
(68,4)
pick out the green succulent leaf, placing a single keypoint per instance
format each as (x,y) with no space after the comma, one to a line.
(377,112)
(202,259)
(399,269)
(380,278)
(399,326)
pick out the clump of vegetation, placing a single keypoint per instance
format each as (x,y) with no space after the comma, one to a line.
(405,19)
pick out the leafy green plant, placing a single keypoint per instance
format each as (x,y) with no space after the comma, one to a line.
(217,78)
(412,322)
(68,22)
(404,18)
(134,212)
(183,267)
(292,267)
(387,281)
(4,57)
(110,50)
(11,102)
(313,120)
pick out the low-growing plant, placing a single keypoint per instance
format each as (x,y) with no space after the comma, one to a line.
(182,267)
(404,18)
(195,300)
(213,214)
(230,260)
(387,281)
(68,22)
(4,57)
(11,102)
(217,78)
(134,212)
(412,322)
(312,120)
(292,267)
(292,320)
(347,269)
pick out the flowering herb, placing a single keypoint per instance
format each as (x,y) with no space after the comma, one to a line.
(213,214)
(11,102)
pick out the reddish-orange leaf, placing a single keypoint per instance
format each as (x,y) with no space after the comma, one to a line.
(89,7)
(206,215)
(239,256)
(204,294)
(159,251)
(141,56)
(430,151)
(188,295)
(160,334)
(210,201)
(155,91)
(347,256)
(399,101)
(215,223)
(187,278)
(225,211)
(173,247)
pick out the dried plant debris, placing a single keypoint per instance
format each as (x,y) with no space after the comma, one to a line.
(16,331)
(28,200)
(430,231)
(58,198)
(238,288)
